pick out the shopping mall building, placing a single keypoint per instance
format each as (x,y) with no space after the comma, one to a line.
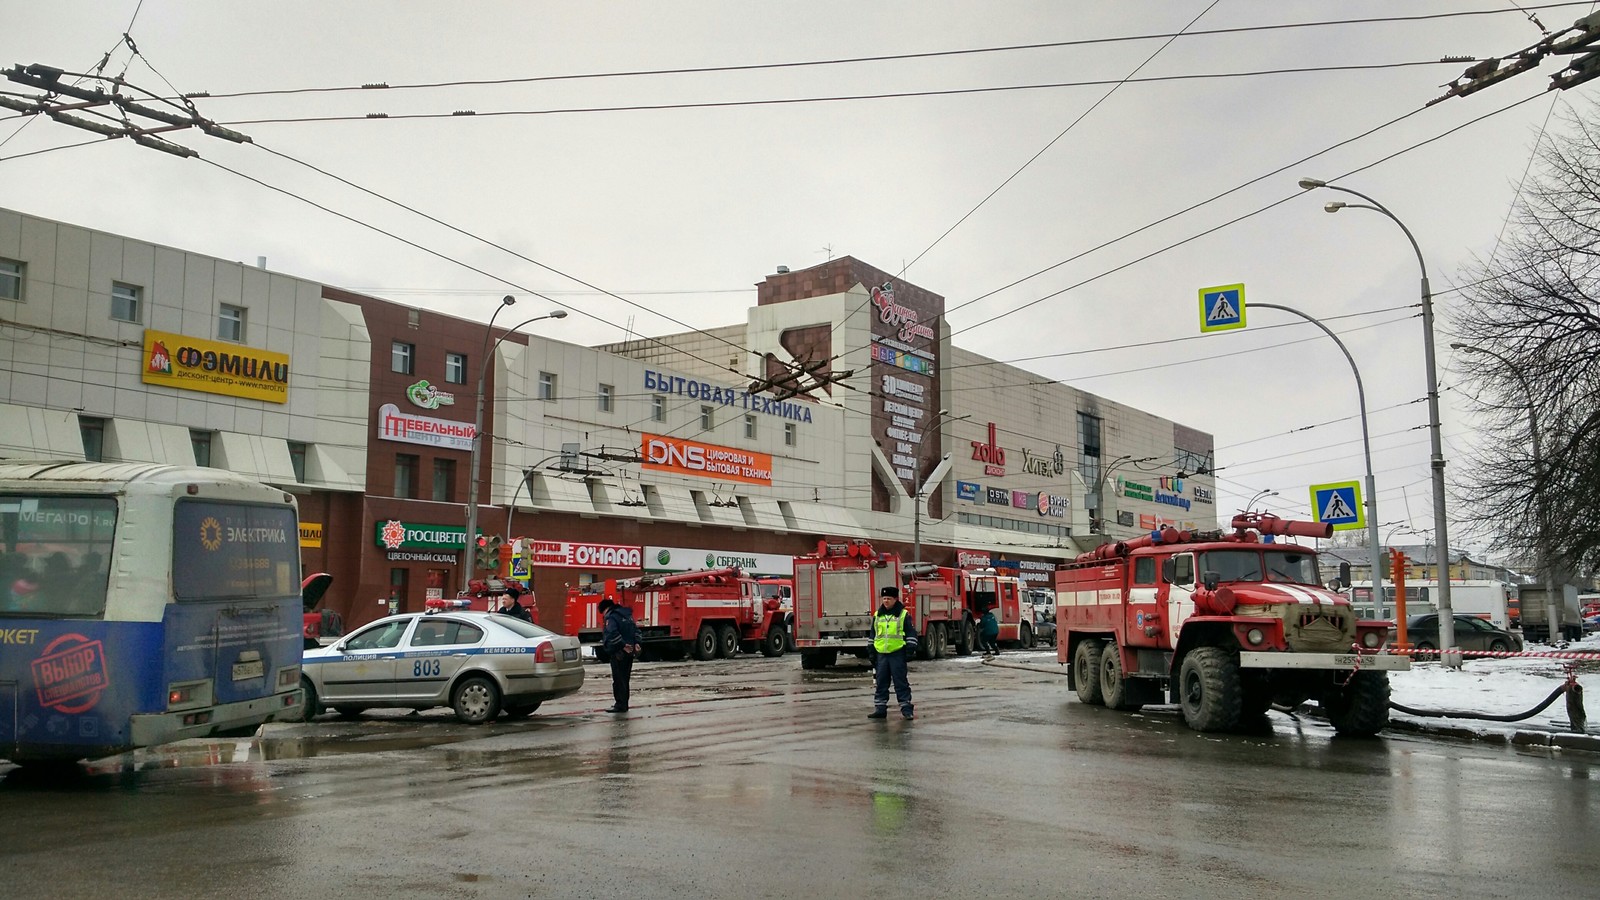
(820,416)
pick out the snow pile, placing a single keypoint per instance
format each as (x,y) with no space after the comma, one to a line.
(1499,686)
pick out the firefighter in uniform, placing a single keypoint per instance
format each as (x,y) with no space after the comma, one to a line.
(894,637)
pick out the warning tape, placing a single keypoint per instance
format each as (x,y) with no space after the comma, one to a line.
(1502,654)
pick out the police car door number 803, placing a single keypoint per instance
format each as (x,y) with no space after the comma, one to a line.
(423,667)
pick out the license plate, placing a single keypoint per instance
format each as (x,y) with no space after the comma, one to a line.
(569,654)
(247,670)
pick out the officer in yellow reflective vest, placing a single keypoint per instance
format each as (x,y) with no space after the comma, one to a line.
(894,638)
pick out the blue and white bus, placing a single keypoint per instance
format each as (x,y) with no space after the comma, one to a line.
(142,604)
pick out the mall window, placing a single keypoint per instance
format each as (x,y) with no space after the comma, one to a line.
(750,426)
(201,442)
(444,479)
(547,385)
(1089,451)
(791,434)
(1021,525)
(94,438)
(402,357)
(455,368)
(125,305)
(297,459)
(405,476)
(707,418)
(658,408)
(607,392)
(230,323)
(11,273)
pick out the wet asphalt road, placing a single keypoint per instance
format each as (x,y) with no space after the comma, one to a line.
(749,778)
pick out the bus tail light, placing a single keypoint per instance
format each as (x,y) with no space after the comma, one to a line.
(545,653)
(188,695)
(289,676)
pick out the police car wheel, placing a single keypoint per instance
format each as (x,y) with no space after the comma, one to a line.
(312,707)
(476,700)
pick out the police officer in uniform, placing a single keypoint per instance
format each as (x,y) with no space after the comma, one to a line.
(894,638)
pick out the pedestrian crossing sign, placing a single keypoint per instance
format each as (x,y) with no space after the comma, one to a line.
(1339,505)
(1221,308)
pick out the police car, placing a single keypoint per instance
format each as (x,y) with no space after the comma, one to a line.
(479,664)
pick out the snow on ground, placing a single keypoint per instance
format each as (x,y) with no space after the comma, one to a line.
(1498,686)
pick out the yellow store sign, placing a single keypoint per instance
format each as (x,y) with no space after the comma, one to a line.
(194,364)
(311,534)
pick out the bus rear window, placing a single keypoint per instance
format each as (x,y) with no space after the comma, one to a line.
(55,554)
(223,551)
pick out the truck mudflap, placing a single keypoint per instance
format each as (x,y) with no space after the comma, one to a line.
(1382,662)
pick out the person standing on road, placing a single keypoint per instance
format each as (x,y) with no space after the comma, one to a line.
(620,639)
(989,632)
(894,637)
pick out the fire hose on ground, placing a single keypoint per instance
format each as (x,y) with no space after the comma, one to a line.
(1576,716)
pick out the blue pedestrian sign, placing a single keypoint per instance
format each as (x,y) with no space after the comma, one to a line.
(1221,308)
(1339,505)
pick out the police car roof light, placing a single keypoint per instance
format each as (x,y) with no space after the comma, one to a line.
(438,604)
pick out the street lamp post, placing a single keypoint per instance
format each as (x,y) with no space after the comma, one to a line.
(1373,546)
(1260,495)
(469,537)
(1552,601)
(1447,625)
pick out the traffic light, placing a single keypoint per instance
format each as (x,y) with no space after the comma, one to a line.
(488,555)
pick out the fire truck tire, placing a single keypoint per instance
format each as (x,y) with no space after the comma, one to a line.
(1208,689)
(1029,640)
(924,649)
(940,639)
(1114,688)
(1086,672)
(705,643)
(313,704)
(476,700)
(777,641)
(818,659)
(1360,708)
(727,641)
(966,638)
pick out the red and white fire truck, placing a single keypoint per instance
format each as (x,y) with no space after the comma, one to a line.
(976,590)
(836,591)
(1224,624)
(710,613)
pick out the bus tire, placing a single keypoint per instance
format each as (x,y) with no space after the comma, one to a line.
(1086,672)
(312,707)
(705,643)
(1114,688)
(776,641)
(727,641)
(476,700)
(1209,691)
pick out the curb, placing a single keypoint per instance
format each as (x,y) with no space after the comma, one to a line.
(1559,740)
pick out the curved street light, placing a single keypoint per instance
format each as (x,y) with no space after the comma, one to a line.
(1259,496)
(469,538)
(1552,600)
(1447,625)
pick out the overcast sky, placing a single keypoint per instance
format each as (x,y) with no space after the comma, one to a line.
(682,209)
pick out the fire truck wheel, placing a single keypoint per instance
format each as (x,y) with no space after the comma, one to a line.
(705,643)
(776,642)
(1086,672)
(1208,689)
(924,649)
(476,700)
(313,705)
(1113,687)
(727,641)
(966,638)
(940,639)
(1360,708)
(1028,639)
